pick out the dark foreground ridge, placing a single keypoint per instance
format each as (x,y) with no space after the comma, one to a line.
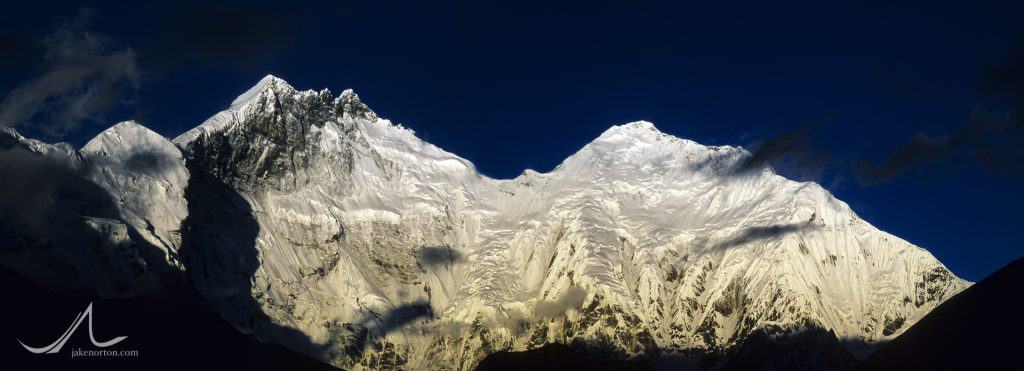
(169,329)
(552,357)
(813,348)
(978,329)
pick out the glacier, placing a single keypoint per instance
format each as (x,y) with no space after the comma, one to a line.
(307,220)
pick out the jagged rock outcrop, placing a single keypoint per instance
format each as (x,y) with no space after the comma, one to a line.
(311,222)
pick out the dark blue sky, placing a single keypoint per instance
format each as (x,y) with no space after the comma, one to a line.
(518,85)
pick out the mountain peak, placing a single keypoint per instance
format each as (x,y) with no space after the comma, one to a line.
(126,136)
(642,145)
(638,125)
(126,125)
(643,131)
(349,102)
(268,82)
(635,128)
(269,86)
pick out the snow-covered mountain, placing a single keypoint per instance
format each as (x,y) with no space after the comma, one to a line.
(307,220)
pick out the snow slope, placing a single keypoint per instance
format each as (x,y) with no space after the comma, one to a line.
(346,237)
(61,228)
(672,246)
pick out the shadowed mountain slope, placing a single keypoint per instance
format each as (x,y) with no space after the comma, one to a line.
(169,329)
(976,329)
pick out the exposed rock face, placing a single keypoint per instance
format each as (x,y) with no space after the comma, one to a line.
(311,222)
(968,331)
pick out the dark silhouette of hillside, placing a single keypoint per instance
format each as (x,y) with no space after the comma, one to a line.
(811,349)
(978,329)
(169,328)
(552,357)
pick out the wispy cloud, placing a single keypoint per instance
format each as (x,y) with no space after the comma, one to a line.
(792,153)
(994,141)
(84,75)
(920,149)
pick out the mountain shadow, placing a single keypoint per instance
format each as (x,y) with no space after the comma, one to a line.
(978,329)
(751,234)
(45,210)
(399,316)
(169,328)
(218,250)
(430,256)
(56,225)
